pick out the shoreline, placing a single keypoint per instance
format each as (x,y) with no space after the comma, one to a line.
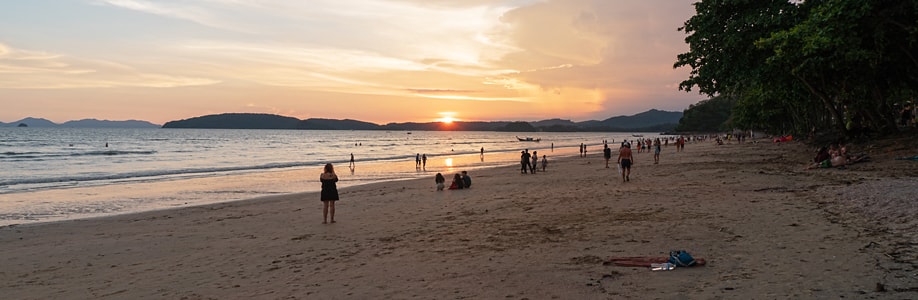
(763,225)
(99,201)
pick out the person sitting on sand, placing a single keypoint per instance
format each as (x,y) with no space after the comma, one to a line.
(466,180)
(822,154)
(851,159)
(457,182)
(441,181)
(836,161)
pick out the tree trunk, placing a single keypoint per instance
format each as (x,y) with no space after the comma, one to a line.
(829,105)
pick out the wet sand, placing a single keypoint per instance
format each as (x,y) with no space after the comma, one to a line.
(78,201)
(767,228)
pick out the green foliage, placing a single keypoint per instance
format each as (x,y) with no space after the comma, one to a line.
(710,115)
(831,65)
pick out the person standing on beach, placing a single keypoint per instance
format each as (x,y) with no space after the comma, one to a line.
(352,161)
(329,192)
(417,161)
(656,151)
(625,160)
(581,149)
(424,161)
(535,161)
(524,161)
(544,162)
(607,154)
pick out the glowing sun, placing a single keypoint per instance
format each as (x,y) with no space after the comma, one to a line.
(447,117)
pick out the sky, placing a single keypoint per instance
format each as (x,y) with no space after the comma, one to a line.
(369,60)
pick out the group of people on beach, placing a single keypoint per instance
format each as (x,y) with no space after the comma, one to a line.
(835,155)
(530,162)
(420,161)
(461,180)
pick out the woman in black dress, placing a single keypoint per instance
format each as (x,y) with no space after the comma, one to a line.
(329,192)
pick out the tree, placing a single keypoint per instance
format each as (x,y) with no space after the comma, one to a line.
(844,65)
(721,38)
(710,115)
(855,57)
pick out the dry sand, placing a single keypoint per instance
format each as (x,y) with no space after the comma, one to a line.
(768,229)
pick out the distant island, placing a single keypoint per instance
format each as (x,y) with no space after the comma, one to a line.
(85,123)
(650,121)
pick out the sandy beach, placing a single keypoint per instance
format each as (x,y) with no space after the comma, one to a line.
(767,228)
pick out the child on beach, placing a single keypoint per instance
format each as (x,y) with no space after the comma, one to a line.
(544,162)
(441,182)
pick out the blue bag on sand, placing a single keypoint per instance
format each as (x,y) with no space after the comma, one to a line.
(681,258)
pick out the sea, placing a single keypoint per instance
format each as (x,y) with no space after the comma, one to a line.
(56,174)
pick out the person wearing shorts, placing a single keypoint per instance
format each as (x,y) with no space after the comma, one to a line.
(625,159)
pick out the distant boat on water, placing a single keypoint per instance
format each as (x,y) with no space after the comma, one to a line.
(637,135)
(528,139)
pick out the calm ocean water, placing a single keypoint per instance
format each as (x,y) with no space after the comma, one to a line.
(53,174)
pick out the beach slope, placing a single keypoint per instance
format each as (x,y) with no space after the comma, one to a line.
(767,228)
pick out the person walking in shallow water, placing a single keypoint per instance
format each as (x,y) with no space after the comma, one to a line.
(329,192)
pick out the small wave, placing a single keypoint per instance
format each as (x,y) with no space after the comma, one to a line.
(38,155)
(113,152)
(18,154)
(150,174)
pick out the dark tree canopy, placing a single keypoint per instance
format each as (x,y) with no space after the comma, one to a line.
(846,66)
(710,115)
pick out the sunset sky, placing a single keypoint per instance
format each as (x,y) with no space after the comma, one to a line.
(369,60)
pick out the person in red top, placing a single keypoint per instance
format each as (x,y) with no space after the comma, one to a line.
(625,160)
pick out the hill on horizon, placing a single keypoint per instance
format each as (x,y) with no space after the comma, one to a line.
(84,123)
(649,121)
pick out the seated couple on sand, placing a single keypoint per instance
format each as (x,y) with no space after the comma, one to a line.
(834,156)
(460,181)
